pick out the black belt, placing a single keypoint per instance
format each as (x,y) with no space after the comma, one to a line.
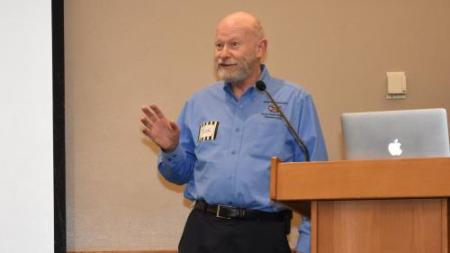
(229,212)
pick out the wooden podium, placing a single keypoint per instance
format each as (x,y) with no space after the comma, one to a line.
(388,206)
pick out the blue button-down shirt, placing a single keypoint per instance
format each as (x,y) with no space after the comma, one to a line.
(229,161)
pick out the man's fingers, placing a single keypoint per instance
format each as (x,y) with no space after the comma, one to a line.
(149,113)
(146,123)
(147,133)
(157,111)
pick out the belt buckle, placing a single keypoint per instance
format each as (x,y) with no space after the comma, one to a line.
(218,212)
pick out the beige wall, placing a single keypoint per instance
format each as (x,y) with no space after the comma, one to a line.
(123,54)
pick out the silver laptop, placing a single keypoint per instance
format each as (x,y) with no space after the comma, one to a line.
(396,134)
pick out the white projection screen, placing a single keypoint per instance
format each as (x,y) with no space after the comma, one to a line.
(29,134)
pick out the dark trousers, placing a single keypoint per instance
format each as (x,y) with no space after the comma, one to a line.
(205,233)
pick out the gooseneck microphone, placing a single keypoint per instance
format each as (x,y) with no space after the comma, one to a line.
(260,85)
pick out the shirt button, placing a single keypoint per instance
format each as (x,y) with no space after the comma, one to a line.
(233,152)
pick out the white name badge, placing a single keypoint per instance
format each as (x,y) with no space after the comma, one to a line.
(208,131)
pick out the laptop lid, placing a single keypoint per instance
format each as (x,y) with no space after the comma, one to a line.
(396,134)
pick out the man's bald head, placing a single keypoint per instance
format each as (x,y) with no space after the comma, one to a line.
(245,21)
(240,47)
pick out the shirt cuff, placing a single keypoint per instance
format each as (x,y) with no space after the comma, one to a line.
(304,239)
(173,157)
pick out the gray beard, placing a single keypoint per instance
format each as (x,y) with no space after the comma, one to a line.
(232,77)
(242,73)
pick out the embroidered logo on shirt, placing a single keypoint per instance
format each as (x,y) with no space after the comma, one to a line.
(271,111)
(272,108)
(208,131)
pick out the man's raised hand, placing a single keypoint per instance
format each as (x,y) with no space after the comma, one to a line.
(162,131)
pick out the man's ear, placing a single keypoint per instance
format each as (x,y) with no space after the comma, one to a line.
(261,49)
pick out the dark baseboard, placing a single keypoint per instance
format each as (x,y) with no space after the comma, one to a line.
(125,251)
(129,251)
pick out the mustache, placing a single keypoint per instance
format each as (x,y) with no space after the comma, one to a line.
(226,62)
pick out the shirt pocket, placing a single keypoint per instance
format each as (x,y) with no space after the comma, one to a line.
(211,148)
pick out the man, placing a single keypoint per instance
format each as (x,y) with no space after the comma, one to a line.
(222,146)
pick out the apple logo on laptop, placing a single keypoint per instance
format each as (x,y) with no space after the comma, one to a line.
(394,148)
